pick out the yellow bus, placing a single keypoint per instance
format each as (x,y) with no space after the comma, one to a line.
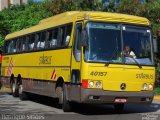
(83,57)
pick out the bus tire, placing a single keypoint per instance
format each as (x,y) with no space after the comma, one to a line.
(14,89)
(22,95)
(0,85)
(59,93)
(119,108)
(66,105)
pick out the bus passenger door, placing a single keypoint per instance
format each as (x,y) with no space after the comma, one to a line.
(74,91)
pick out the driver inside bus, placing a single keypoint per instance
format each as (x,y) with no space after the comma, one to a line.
(128,52)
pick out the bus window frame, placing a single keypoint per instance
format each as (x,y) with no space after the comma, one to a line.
(40,50)
(53,38)
(60,33)
(147,26)
(74,39)
(18,47)
(40,40)
(36,40)
(32,40)
(72,27)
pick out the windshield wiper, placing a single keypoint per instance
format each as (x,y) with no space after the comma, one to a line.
(107,64)
(136,62)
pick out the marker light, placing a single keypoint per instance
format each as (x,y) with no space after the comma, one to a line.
(150,86)
(98,84)
(145,87)
(91,84)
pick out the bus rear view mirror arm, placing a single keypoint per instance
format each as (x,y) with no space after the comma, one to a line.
(155,45)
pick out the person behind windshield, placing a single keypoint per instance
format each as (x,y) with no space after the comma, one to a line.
(128,52)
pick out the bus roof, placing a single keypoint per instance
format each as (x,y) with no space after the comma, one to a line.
(72,16)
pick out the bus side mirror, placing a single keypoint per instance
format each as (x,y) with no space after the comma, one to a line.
(155,45)
(84,37)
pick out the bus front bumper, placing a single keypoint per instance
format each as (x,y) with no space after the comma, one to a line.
(102,96)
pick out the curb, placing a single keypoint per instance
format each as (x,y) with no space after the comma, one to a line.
(5,89)
(157,97)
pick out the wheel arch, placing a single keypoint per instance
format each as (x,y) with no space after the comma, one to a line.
(12,78)
(59,82)
(19,79)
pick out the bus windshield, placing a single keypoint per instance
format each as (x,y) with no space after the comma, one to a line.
(117,43)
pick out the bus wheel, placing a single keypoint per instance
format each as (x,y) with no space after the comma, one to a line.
(66,105)
(59,93)
(14,89)
(22,95)
(119,107)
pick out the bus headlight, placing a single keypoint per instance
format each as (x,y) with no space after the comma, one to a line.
(145,86)
(98,84)
(91,84)
(150,87)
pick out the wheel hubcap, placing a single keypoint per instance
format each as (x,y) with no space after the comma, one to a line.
(20,89)
(13,87)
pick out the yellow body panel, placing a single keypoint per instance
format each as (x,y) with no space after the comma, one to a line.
(132,76)
(39,65)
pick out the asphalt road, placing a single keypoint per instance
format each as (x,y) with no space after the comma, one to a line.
(44,108)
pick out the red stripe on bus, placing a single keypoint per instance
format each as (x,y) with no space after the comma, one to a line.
(53,74)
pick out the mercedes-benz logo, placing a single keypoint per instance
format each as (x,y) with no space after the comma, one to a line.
(123,86)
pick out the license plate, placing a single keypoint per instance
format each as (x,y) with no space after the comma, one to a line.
(120,100)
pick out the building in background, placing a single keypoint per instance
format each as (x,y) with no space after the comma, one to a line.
(7,3)
(3,4)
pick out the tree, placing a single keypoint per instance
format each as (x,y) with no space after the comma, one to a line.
(60,6)
(20,17)
(17,17)
(132,7)
(150,10)
(3,30)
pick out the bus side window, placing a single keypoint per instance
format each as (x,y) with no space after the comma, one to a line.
(48,39)
(27,43)
(54,38)
(41,43)
(65,34)
(6,46)
(37,40)
(68,34)
(14,46)
(11,48)
(62,36)
(77,51)
(18,45)
(24,44)
(31,42)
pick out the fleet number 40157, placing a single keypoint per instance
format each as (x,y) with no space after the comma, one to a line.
(95,73)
